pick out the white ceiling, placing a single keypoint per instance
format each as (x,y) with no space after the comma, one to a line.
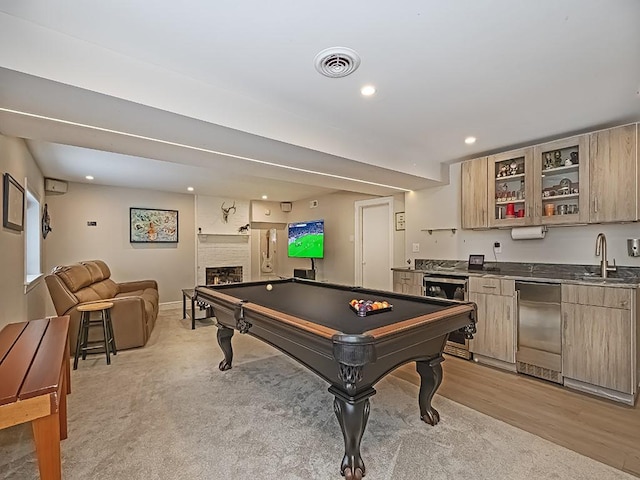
(222,95)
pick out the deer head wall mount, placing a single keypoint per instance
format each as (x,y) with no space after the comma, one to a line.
(227,211)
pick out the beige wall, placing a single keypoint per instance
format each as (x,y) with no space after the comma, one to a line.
(171,265)
(338,211)
(15,304)
(440,207)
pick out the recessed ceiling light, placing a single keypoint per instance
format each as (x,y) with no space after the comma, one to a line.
(190,189)
(368,90)
(264,197)
(89,177)
(470,140)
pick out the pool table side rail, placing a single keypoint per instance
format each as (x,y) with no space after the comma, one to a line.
(292,320)
(329,333)
(467,308)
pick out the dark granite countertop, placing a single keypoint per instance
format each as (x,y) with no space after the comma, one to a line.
(628,277)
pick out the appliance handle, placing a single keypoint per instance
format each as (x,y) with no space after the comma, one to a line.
(454,281)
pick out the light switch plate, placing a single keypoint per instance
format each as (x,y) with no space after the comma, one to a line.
(416,247)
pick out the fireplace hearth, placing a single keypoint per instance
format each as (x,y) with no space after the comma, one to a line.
(220,275)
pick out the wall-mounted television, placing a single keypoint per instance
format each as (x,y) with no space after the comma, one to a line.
(306,239)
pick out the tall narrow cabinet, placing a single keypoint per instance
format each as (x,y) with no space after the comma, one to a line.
(473,189)
(614,174)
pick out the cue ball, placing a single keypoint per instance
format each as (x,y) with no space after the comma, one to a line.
(269,287)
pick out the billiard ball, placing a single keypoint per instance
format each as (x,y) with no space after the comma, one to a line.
(269,287)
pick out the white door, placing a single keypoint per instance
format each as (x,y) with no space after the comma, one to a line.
(374,257)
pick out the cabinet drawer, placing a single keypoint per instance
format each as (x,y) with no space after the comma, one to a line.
(494,286)
(599,296)
(409,278)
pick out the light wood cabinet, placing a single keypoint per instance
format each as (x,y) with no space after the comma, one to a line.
(474,193)
(561,181)
(495,335)
(407,282)
(598,337)
(510,188)
(613,175)
(602,179)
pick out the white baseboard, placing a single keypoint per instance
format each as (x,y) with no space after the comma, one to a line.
(169,305)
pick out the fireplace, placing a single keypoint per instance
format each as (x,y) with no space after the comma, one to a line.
(218,275)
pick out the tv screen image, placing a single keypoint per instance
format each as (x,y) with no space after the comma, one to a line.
(306,239)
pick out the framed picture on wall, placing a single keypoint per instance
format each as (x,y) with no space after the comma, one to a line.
(12,204)
(152,225)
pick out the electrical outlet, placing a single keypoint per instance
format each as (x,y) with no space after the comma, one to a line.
(416,247)
(313,204)
(497,247)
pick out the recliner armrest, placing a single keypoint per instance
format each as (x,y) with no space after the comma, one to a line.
(125,287)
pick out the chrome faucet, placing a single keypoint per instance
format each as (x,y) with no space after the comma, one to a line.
(601,246)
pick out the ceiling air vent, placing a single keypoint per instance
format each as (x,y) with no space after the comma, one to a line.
(337,62)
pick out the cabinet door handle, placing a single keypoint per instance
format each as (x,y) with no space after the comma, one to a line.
(508,312)
(489,286)
(595,204)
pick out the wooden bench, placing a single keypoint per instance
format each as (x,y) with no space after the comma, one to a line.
(34,383)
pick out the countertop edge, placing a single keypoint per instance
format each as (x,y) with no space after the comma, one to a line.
(596,281)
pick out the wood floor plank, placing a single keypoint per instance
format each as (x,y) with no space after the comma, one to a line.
(606,431)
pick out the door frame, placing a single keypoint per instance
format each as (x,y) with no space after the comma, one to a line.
(360,205)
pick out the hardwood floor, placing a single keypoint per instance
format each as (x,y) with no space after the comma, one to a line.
(603,430)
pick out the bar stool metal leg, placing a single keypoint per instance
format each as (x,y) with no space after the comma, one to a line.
(79,341)
(105,332)
(85,334)
(112,337)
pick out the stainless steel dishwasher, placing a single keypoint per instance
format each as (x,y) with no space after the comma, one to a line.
(539,350)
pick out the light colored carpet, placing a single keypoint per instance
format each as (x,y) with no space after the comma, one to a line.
(166,412)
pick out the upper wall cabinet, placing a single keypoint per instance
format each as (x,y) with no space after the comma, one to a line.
(473,188)
(614,174)
(590,178)
(510,188)
(561,181)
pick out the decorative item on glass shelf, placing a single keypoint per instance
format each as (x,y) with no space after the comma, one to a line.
(557,158)
(548,161)
(511,210)
(572,160)
(509,168)
(549,209)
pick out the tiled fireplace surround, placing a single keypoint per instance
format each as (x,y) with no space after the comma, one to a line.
(229,254)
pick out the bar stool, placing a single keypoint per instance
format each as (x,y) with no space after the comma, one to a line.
(108,341)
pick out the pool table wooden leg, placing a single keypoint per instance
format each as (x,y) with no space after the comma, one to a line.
(430,372)
(224,340)
(352,414)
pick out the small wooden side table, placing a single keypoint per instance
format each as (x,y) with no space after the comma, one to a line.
(190,294)
(108,342)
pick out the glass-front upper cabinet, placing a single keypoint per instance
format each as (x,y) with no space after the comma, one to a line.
(561,181)
(510,188)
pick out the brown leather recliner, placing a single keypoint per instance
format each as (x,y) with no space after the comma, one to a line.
(135,304)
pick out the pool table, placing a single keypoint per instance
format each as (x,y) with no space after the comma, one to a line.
(315,324)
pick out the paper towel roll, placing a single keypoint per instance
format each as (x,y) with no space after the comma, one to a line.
(528,233)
